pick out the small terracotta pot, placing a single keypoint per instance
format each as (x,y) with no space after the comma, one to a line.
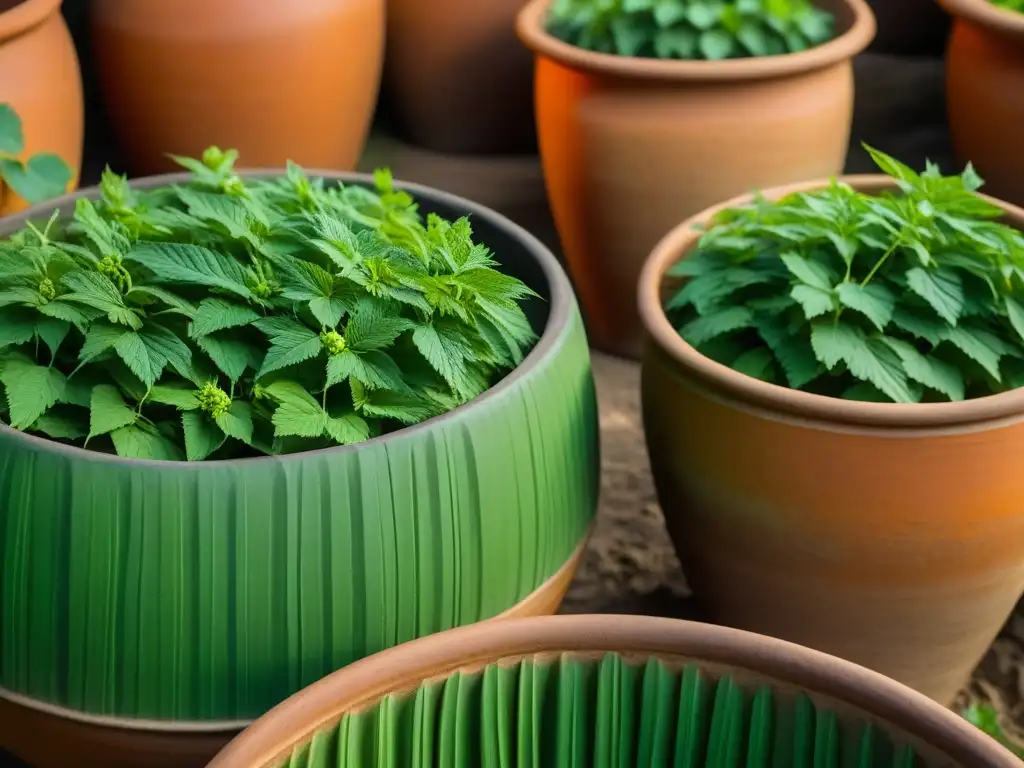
(457,78)
(608,691)
(40,79)
(277,81)
(631,146)
(985,92)
(891,535)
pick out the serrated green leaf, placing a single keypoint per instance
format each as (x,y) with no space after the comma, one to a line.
(187,264)
(812,273)
(370,328)
(59,427)
(173,303)
(874,300)
(814,301)
(95,290)
(929,371)
(214,315)
(16,327)
(99,339)
(793,351)
(982,347)
(137,442)
(31,390)
(297,413)
(448,354)
(916,324)
(757,363)
(867,359)
(284,354)
(183,398)
(707,327)
(108,411)
(202,436)
(51,332)
(232,357)
(236,422)
(348,429)
(1015,313)
(943,289)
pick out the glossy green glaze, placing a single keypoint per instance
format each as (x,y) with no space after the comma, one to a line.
(212,591)
(576,712)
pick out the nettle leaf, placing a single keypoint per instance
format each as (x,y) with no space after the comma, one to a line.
(370,328)
(59,426)
(707,327)
(942,289)
(214,315)
(298,413)
(1015,313)
(98,291)
(108,411)
(236,422)
(928,371)
(290,343)
(183,398)
(187,264)
(202,435)
(875,301)
(812,273)
(867,358)
(793,351)
(980,346)
(758,363)
(448,354)
(144,442)
(814,301)
(231,356)
(31,390)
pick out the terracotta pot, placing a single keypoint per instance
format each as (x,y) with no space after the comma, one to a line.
(632,146)
(887,534)
(985,93)
(39,77)
(152,609)
(277,81)
(609,691)
(458,79)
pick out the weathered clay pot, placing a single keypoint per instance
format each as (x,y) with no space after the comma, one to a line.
(985,93)
(609,691)
(277,81)
(39,77)
(458,80)
(632,146)
(890,535)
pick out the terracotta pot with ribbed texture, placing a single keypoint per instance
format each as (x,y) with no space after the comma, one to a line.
(39,77)
(609,692)
(985,93)
(891,535)
(632,146)
(457,78)
(277,80)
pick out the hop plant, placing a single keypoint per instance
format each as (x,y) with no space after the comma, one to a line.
(691,29)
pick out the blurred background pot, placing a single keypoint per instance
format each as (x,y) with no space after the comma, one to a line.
(40,79)
(631,146)
(458,81)
(985,93)
(152,609)
(609,691)
(887,534)
(277,81)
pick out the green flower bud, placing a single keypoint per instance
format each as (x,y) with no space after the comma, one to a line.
(333,342)
(213,400)
(46,289)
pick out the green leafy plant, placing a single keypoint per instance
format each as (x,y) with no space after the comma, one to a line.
(41,177)
(901,297)
(691,29)
(985,719)
(1010,5)
(224,318)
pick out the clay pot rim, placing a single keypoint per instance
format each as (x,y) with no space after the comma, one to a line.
(661,336)
(367,681)
(25,15)
(985,14)
(531,30)
(560,299)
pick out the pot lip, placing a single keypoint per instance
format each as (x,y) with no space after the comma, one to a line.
(663,338)
(985,14)
(531,30)
(405,666)
(25,15)
(560,301)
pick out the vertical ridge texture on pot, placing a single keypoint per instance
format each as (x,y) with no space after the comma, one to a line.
(631,147)
(211,591)
(890,535)
(40,78)
(278,81)
(635,692)
(985,93)
(458,80)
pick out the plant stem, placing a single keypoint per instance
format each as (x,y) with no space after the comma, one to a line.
(881,261)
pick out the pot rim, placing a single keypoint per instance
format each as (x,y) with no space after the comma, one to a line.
(985,14)
(530,28)
(560,301)
(363,683)
(661,336)
(25,15)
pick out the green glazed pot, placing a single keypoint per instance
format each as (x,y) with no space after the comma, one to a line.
(609,692)
(155,608)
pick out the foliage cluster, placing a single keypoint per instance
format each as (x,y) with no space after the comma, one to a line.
(42,176)
(691,29)
(904,296)
(228,317)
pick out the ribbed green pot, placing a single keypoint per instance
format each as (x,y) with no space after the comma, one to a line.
(609,692)
(211,591)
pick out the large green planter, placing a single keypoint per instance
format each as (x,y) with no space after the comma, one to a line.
(609,692)
(157,607)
